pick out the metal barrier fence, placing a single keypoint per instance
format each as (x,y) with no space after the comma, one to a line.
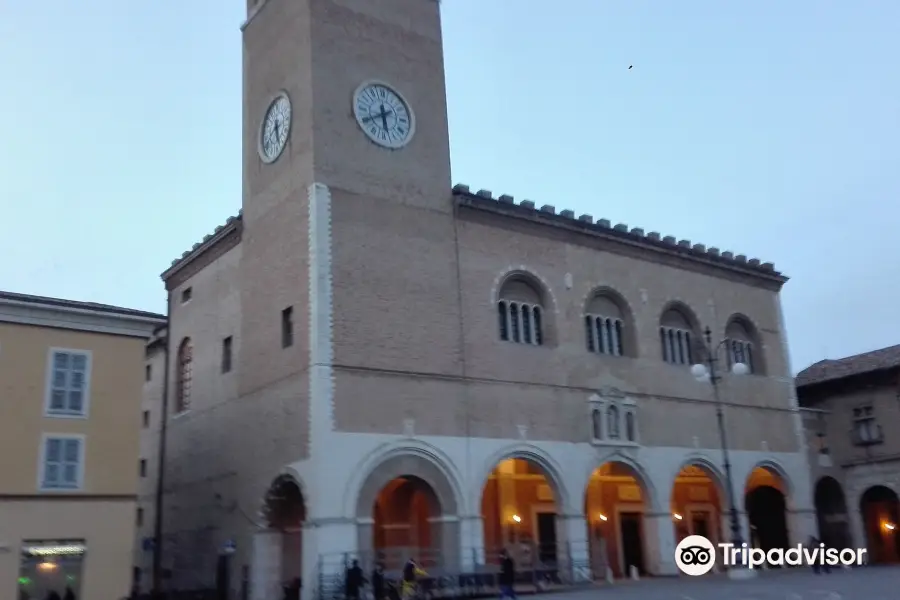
(538,568)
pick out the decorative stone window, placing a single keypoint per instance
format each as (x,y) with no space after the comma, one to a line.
(613,418)
(743,344)
(676,338)
(520,312)
(604,326)
(739,344)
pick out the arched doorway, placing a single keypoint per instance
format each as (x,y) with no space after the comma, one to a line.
(880,507)
(831,513)
(615,502)
(519,508)
(765,501)
(284,511)
(696,504)
(407,508)
(405,513)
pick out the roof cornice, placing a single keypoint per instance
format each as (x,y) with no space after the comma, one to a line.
(80,316)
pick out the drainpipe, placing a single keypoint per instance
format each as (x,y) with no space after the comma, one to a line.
(160,470)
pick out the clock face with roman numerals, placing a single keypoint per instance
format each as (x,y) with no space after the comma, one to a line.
(384,116)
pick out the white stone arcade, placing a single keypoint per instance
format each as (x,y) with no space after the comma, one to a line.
(338,495)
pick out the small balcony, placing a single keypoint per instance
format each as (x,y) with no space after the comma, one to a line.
(868,436)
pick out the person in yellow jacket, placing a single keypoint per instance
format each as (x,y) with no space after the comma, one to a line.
(411,572)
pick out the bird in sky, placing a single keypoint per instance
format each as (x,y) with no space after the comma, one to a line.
(629,67)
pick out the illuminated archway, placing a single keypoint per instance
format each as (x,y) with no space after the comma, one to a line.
(880,510)
(405,514)
(831,513)
(696,503)
(407,507)
(765,500)
(519,509)
(284,511)
(616,499)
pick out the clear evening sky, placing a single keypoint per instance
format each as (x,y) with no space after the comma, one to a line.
(766,127)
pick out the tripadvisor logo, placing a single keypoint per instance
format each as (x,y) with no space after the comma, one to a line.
(695,555)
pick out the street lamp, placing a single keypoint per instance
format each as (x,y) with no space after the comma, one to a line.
(708,372)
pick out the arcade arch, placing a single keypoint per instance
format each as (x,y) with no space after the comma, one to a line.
(520,504)
(616,500)
(697,503)
(407,508)
(765,500)
(284,511)
(831,513)
(880,511)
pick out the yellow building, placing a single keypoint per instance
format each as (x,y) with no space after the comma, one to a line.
(71,380)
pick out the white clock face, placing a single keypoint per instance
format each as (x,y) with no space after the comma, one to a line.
(383,114)
(275,129)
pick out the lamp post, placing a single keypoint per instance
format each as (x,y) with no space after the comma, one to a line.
(709,372)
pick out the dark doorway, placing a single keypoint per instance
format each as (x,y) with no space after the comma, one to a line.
(223,577)
(767,512)
(881,519)
(632,542)
(831,514)
(546,532)
(245,582)
(700,524)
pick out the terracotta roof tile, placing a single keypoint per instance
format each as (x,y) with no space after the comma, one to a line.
(829,370)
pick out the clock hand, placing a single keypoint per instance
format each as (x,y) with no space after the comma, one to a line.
(383,116)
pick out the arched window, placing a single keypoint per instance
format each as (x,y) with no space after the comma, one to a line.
(604,325)
(520,312)
(183,376)
(612,422)
(597,418)
(630,433)
(741,348)
(676,338)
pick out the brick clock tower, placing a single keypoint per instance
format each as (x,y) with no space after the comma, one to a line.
(348,225)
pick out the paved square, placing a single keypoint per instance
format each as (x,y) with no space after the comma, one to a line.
(867,583)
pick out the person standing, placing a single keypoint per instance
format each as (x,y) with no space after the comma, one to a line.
(507,578)
(819,565)
(292,589)
(411,573)
(378,582)
(355,581)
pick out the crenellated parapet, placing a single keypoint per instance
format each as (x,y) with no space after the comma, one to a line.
(547,214)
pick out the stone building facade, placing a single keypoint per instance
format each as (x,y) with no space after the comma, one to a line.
(361,329)
(848,406)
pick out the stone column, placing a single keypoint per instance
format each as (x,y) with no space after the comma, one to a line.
(801,524)
(365,540)
(327,544)
(746,531)
(445,539)
(471,534)
(858,537)
(743,522)
(659,538)
(574,557)
(265,565)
